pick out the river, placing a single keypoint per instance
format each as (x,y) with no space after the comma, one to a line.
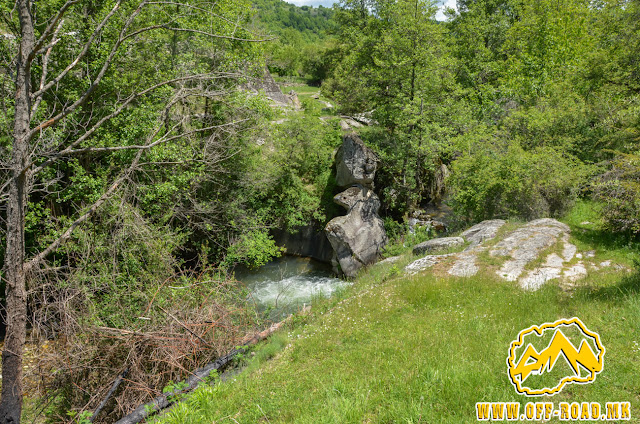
(288,283)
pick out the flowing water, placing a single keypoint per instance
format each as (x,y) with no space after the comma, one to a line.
(288,283)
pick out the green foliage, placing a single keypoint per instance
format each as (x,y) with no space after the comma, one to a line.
(252,249)
(80,418)
(402,238)
(548,43)
(560,119)
(293,182)
(279,17)
(619,191)
(173,389)
(504,180)
(396,64)
(302,33)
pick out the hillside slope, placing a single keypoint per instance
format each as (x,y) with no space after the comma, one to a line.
(425,348)
(279,17)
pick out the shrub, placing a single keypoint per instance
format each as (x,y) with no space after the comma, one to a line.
(403,238)
(619,190)
(507,181)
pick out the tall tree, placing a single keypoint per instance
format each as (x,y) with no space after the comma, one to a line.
(398,64)
(76,67)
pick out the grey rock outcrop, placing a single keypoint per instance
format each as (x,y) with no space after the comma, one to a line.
(524,245)
(271,89)
(465,264)
(355,163)
(358,237)
(519,248)
(424,263)
(483,231)
(437,244)
(349,124)
(307,241)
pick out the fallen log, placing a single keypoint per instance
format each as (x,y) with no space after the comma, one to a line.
(167,399)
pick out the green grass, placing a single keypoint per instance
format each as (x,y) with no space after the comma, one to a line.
(425,349)
(588,232)
(300,89)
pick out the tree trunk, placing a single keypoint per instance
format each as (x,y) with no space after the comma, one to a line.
(14,264)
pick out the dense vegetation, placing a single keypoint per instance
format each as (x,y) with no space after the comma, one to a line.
(303,38)
(524,100)
(509,109)
(312,24)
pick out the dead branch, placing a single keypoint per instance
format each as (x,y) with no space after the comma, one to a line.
(47,32)
(167,399)
(114,387)
(45,65)
(184,326)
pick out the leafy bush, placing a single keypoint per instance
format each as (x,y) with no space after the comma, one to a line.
(507,181)
(252,249)
(118,300)
(619,189)
(402,238)
(292,182)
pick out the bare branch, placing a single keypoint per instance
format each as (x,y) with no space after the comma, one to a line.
(200,9)
(52,24)
(107,63)
(45,65)
(147,146)
(194,31)
(88,133)
(210,34)
(84,50)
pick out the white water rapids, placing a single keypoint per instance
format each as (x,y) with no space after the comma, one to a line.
(288,283)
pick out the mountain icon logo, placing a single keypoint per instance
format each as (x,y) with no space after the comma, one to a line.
(581,364)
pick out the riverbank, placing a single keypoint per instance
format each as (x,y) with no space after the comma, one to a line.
(426,348)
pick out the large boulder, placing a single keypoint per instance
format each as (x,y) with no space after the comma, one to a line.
(358,237)
(357,194)
(355,163)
